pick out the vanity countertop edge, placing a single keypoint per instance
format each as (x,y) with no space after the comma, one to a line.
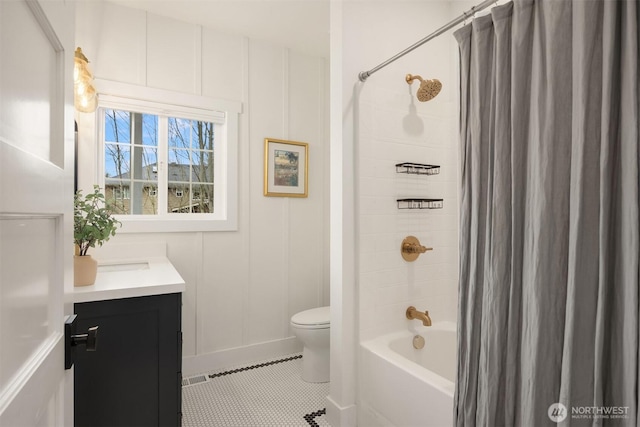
(157,277)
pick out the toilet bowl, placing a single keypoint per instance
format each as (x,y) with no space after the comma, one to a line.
(312,329)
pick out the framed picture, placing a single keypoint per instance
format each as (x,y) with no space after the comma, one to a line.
(285,168)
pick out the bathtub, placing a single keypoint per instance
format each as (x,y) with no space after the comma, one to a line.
(406,387)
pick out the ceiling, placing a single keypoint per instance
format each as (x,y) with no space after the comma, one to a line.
(301,25)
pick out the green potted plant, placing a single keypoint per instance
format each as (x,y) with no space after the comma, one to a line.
(93,224)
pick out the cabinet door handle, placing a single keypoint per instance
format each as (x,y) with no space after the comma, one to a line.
(90,339)
(72,340)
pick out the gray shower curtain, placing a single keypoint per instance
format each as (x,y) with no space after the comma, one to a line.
(548,323)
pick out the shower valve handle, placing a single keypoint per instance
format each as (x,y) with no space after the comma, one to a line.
(415,249)
(411,248)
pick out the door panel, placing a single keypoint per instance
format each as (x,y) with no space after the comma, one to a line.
(30,99)
(33,398)
(36,209)
(24,292)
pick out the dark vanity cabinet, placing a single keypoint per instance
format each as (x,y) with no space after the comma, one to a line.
(134,376)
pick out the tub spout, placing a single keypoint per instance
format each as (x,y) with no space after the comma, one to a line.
(413,313)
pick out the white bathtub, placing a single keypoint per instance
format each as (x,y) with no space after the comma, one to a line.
(406,387)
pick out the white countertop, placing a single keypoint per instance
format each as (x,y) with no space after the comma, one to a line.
(131,278)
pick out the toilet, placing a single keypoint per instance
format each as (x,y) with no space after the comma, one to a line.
(312,329)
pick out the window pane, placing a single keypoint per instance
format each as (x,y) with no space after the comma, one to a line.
(179,132)
(150,130)
(117,161)
(192,134)
(132,198)
(149,197)
(178,164)
(202,198)
(118,196)
(145,163)
(117,126)
(178,198)
(179,172)
(203,135)
(197,200)
(202,169)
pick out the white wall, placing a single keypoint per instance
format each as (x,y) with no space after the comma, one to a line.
(341,409)
(242,286)
(383,123)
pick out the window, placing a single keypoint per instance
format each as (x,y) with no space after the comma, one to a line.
(168,167)
(119,192)
(134,147)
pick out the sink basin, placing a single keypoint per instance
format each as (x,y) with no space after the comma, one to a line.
(125,266)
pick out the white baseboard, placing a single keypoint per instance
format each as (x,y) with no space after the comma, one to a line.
(228,358)
(339,416)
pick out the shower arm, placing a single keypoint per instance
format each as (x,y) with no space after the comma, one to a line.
(364,75)
(410,78)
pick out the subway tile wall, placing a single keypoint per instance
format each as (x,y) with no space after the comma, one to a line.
(394,127)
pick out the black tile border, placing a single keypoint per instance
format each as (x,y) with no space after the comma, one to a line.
(260,365)
(310,418)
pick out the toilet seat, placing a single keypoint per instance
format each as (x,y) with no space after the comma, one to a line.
(315,318)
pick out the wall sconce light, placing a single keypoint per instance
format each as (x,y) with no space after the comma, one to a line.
(84,94)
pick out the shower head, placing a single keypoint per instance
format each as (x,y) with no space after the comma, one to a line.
(428,90)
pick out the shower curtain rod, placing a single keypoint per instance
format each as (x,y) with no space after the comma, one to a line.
(365,74)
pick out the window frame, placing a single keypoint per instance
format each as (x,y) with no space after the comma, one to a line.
(141,99)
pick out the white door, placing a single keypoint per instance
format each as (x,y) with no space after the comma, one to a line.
(36,210)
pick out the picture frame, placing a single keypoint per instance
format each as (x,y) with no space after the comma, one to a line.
(286,168)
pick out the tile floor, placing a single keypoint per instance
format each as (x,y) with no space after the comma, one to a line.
(267,393)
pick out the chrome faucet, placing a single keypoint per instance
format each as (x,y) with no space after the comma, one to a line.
(412,313)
